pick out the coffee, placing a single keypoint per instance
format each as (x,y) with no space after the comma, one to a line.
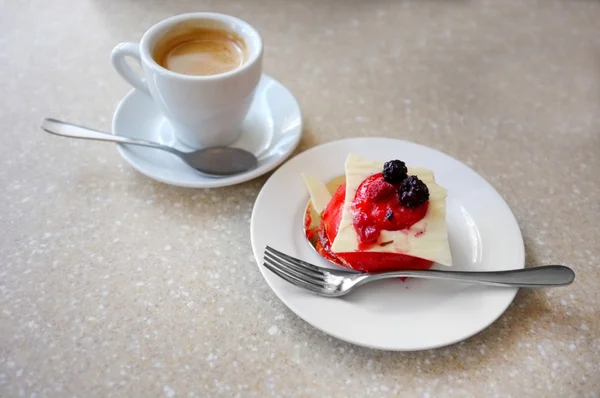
(200,51)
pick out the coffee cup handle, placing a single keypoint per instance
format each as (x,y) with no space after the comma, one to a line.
(118,59)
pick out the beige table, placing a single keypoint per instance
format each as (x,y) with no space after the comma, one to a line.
(112,284)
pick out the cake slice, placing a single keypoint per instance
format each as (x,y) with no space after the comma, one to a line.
(384,217)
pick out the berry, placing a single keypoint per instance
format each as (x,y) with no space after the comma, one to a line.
(378,190)
(394,171)
(413,192)
(389,215)
(369,234)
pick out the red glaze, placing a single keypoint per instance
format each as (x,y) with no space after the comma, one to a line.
(332,215)
(324,249)
(307,231)
(374,198)
(376,207)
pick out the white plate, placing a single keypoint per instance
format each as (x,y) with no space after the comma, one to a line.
(394,315)
(271,131)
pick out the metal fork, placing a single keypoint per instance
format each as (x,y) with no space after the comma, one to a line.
(334,283)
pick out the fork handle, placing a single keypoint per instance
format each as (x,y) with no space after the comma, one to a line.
(543,276)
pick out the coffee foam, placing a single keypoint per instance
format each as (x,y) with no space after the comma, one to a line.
(197,50)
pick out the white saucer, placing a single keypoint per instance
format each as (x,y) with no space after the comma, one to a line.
(394,315)
(271,131)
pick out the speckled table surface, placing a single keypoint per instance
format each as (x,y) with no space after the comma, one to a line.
(112,284)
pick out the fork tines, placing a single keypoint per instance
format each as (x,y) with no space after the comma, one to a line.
(295,271)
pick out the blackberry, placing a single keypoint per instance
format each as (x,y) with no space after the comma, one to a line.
(394,171)
(413,192)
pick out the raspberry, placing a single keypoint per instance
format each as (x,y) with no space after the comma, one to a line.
(379,190)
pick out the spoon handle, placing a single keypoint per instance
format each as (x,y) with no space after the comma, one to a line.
(65,129)
(543,276)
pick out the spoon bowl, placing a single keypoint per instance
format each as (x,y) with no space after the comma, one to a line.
(220,161)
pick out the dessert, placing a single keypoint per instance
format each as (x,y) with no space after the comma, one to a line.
(384,217)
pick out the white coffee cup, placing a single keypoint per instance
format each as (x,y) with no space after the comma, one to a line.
(204,111)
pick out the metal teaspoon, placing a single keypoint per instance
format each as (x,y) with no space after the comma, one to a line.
(212,162)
